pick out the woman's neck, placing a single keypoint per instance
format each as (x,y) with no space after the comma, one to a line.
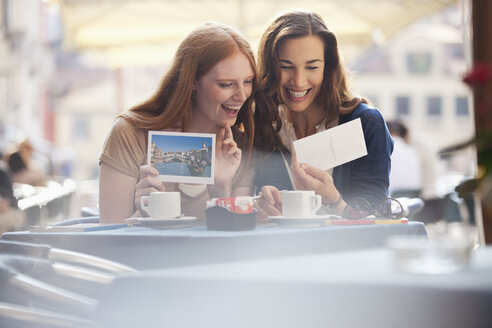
(200,124)
(305,123)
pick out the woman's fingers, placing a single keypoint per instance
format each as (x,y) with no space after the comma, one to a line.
(228,133)
(229,143)
(277,197)
(266,208)
(271,202)
(228,139)
(314,172)
(149,182)
(147,170)
(307,177)
(220,138)
(301,179)
(296,169)
(229,148)
(226,143)
(235,152)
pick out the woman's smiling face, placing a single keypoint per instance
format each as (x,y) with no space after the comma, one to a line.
(301,65)
(222,91)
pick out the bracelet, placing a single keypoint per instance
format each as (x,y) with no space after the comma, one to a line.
(337,202)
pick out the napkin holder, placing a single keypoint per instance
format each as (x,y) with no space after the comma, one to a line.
(221,218)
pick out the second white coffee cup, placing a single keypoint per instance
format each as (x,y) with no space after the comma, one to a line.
(162,205)
(300,203)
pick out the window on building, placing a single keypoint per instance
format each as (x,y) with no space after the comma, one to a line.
(455,51)
(461,106)
(434,106)
(454,62)
(402,106)
(80,130)
(419,63)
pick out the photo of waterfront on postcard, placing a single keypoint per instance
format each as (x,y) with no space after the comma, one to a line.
(181,155)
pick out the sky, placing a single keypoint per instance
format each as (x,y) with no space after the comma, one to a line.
(173,143)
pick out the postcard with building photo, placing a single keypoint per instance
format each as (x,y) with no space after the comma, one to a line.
(182,157)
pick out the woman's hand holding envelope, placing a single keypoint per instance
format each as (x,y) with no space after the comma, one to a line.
(307,177)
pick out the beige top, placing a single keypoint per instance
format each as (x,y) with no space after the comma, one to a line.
(125,149)
(288,133)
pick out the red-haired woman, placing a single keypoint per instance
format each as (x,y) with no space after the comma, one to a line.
(207,89)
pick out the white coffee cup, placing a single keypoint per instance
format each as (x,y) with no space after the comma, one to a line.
(300,203)
(162,205)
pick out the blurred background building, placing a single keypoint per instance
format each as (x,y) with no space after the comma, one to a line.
(70,66)
(416,78)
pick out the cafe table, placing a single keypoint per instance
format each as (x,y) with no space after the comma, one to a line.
(357,288)
(147,248)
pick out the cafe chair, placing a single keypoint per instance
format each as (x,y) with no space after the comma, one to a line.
(44,278)
(62,255)
(449,208)
(86,211)
(19,287)
(18,316)
(411,205)
(78,279)
(89,260)
(83,219)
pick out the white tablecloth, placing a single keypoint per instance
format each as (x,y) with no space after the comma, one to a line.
(343,289)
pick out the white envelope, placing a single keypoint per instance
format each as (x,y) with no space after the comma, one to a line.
(332,147)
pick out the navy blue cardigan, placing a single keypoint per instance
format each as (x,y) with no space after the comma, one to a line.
(366,177)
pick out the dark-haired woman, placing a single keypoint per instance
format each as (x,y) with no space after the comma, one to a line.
(303,90)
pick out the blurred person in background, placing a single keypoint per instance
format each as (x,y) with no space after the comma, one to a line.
(303,90)
(23,168)
(206,90)
(11,218)
(406,165)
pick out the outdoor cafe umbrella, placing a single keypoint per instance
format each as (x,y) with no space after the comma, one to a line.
(132,32)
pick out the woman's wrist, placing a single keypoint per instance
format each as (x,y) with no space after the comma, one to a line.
(337,202)
(336,206)
(330,200)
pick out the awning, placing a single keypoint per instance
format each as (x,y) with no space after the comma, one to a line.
(147,32)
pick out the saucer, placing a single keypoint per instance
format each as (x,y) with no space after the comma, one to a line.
(173,223)
(301,222)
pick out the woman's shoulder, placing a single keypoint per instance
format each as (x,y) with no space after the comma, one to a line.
(125,135)
(365,112)
(123,126)
(125,147)
(123,123)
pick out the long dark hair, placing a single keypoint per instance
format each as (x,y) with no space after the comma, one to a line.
(6,186)
(16,163)
(334,95)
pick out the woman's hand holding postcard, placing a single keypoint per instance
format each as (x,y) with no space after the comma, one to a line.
(182,157)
